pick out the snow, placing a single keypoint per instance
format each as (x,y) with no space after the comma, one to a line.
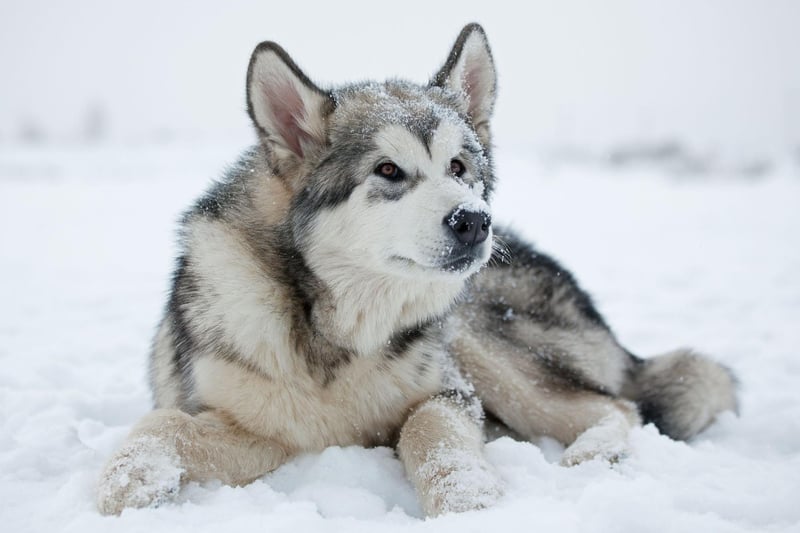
(87,245)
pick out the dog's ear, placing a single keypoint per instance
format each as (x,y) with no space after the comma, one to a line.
(469,71)
(287,109)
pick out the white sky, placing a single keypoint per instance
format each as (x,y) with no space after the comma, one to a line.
(722,74)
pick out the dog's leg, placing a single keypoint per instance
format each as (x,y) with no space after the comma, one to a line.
(169,447)
(441,447)
(535,402)
(590,424)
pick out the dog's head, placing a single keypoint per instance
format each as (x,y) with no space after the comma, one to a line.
(393,176)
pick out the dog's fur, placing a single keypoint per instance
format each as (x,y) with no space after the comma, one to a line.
(330,291)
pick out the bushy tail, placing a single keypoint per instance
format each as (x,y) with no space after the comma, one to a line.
(681,392)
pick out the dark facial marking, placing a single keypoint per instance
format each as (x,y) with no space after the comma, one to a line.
(423,128)
(393,191)
(330,183)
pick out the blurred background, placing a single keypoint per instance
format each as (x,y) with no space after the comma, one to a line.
(693,86)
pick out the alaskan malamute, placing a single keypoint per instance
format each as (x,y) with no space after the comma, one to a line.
(344,285)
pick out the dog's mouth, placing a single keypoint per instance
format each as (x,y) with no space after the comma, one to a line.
(458,265)
(453,263)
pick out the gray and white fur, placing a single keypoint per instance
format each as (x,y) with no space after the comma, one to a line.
(332,289)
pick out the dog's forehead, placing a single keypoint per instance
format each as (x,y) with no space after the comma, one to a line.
(364,109)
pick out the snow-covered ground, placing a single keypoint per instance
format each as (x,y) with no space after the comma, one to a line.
(87,244)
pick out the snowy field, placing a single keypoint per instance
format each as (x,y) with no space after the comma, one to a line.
(712,262)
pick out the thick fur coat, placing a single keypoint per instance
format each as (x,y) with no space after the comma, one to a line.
(332,289)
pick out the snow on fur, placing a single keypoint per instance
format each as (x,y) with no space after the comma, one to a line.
(146,471)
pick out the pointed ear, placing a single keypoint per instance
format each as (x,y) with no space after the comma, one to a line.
(469,72)
(287,109)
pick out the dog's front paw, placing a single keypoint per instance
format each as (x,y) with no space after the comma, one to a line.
(146,472)
(459,484)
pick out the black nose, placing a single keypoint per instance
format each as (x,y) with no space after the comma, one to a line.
(469,227)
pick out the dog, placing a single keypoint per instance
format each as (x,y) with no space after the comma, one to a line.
(344,285)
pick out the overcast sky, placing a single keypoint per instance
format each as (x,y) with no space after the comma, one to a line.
(722,74)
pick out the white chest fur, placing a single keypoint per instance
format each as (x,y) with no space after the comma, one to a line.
(268,387)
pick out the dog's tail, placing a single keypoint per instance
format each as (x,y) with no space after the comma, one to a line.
(681,392)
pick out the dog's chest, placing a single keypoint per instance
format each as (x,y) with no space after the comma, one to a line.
(365,403)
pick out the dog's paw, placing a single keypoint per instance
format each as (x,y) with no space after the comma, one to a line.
(608,440)
(460,485)
(146,472)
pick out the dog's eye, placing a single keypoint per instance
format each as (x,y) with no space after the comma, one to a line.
(390,171)
(457,168)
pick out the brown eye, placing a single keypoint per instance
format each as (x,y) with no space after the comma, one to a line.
(457,168)
(390,171)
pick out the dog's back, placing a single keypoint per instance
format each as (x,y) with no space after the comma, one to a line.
(544,361)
